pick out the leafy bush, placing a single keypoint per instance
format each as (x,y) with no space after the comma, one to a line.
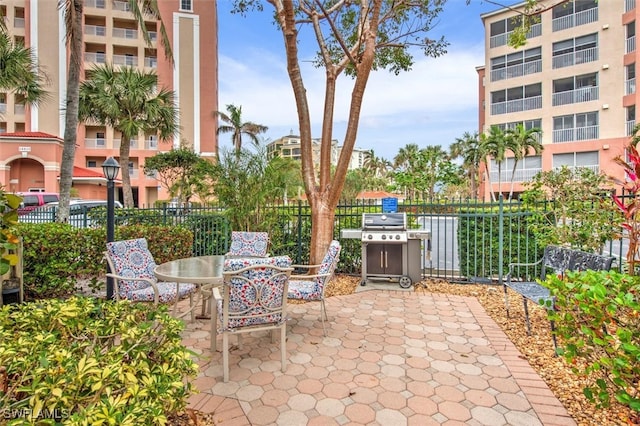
(56,255)
(86,361)
(597,317)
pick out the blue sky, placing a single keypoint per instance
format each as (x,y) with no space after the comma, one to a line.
(433,104)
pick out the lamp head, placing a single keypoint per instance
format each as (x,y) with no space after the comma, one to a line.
(110,168)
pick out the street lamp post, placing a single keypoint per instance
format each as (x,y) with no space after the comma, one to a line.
(110,169)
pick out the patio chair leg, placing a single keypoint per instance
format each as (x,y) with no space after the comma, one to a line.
(192,307)
(225,357)
(323,316)
(283,346)
(526,315)
(214,329)
(506,299)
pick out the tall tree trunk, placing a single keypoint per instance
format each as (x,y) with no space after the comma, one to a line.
(71,108)
(127,193)
(513,175)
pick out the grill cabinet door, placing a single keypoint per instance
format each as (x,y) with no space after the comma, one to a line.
(393,259)
(375,259)
(384,259)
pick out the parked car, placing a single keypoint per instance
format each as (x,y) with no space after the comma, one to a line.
(78,212)
(33,200)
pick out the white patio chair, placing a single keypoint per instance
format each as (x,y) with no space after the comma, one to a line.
(131,265)
(311,286)
(254,298)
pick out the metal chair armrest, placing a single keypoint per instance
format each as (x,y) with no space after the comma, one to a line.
(306,266)
(513,265)
(306,277)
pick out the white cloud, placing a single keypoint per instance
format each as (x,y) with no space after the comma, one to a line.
(428,105)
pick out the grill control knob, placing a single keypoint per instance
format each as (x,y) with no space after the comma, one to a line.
(384,237)
(370,236)
(397,236)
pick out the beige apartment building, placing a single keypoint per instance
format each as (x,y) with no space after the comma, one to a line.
(289,147)
(574,79)
(31,137)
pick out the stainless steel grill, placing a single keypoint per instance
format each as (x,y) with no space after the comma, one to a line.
(389,250)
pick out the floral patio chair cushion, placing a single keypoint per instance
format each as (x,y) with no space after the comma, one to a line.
(313,289)
(249,244)
(132,259)
(256,294)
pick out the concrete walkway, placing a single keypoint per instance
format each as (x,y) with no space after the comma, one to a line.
(390,357)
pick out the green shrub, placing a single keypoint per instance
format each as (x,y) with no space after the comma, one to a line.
(55,255)
(87,361)
(598,321)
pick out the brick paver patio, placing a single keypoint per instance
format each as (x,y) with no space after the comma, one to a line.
(390,357)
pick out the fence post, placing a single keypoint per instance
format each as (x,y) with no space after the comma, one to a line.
(500,236)
(300,261)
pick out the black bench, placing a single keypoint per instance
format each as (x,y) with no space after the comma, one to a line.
(555,260)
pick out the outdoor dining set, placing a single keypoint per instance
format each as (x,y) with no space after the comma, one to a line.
(245,290)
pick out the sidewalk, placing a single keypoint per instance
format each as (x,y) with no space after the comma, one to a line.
(389,358)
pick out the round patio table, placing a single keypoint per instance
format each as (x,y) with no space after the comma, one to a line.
(204,271)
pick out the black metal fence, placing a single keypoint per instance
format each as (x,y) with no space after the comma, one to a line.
(471,241)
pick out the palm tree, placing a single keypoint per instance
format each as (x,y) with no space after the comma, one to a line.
(127,100)
(523,140)
(468,148)
(73,15)
(19,70)
(237,127)
(375,171)
(495,144)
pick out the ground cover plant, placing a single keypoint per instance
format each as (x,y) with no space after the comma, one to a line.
(88,361)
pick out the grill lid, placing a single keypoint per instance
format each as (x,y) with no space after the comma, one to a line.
(388,221)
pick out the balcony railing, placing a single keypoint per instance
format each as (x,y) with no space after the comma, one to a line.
(629,5)
(97,30)
(521,175)
(98,4)
(127,33)
(516,105)
(122,6)
(18,109)
(3,108)
(133,144)
(583,94)
(151,62)
(630,86)
(501,39)
(95,143)
(517,70)
(128,60)
(153,35)
(631,44)
(575,58)
(151,144)
(631,124)
(95,57)
(18,22)
(593,167)
(575,19)
(576,134)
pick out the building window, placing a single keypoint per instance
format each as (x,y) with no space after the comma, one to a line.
(525,169)
(502,29)
(576,127)
(186,6)
(516,99)
(573,160)
(92,163)
(516,64)
(571,90)
(630,80)
(631,37)
(631,119)
(575,51)
(574,13)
